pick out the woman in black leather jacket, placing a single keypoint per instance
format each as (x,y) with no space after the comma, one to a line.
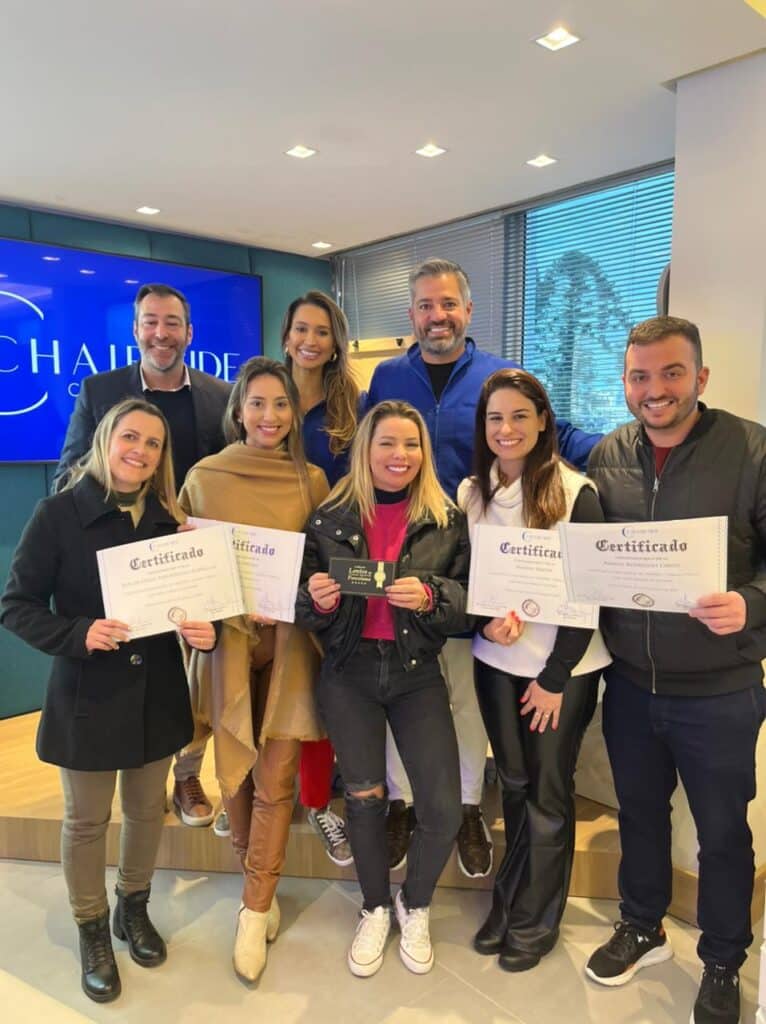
(381,665)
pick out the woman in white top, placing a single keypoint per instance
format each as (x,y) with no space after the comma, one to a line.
(536,683)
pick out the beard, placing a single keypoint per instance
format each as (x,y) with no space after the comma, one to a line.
(441,346)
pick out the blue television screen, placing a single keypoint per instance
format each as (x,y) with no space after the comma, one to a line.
(67,313)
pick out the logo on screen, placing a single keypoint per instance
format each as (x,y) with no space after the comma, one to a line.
(4,368)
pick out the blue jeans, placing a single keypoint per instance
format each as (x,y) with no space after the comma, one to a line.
(710,743)
(371,689)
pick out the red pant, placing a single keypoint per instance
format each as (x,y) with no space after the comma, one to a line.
(317,759)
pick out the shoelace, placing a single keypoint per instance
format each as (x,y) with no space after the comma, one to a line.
(370,931)
(625,940)
(474,831)
(193,788)
(332,827)
(415,926)
(99,948)
(716,987)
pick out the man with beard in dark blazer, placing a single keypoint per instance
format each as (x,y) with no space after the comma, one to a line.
(193,403)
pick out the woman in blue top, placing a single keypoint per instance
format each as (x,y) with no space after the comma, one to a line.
(315,341)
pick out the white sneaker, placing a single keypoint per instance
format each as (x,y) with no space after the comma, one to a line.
(331,829)
(415,947)
(365,956)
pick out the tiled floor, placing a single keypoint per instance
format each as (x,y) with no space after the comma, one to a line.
(306,979)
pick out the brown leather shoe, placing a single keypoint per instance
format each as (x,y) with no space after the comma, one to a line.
(400,824)
(191,803)
(474,844)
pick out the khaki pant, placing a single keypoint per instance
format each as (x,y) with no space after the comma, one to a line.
(87,811)
(261,810)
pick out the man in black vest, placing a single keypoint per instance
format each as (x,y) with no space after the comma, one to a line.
(193,403)
(684,694)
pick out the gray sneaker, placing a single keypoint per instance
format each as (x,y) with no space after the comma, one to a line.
(221,825)
(331,829)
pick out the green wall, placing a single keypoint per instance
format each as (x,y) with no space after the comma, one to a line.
(23,671)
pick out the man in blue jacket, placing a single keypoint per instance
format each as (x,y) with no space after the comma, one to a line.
(441,375)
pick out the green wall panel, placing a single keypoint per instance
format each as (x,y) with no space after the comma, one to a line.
(14,223)
(23,671)
(200,251)
(288,277)
(89,234)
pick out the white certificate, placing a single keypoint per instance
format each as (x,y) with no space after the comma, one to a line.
(514,568)
(269,566)
(157,585)
(660,566)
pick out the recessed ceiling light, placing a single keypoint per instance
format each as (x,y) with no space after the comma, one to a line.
(301,152)
(88,273)
(557,39)
(3,275)
(430,150)
(321,245)
(149,211)
(542,161)
(52,259)
(131,280)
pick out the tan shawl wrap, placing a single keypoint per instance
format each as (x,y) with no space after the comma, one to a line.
(249,485)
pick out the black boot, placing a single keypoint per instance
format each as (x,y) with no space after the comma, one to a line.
(514,960)
(131,922)
(490,938)
(100,978)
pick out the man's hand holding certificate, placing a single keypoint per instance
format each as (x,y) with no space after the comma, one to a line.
(655,566)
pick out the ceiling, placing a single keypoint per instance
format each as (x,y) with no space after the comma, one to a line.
(188,106)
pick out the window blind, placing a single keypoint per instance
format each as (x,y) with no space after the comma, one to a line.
(591,269)
(371,281)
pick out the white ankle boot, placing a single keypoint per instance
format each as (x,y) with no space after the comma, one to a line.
(254,929)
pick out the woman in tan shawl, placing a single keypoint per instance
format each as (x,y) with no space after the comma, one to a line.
(255,691)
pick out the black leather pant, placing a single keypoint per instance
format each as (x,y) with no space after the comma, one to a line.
(536,772)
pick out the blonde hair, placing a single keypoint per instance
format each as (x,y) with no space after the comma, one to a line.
(341,392)
(426,496)
(95,462)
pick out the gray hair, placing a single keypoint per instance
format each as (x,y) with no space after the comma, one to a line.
(434,267)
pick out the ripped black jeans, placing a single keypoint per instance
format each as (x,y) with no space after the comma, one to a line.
(355,703)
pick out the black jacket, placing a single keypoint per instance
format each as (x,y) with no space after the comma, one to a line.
(438,557)
(101,391)
(718,470)
(109,709)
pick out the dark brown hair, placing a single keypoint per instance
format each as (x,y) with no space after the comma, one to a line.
(544,501)
(657,328)
(233,428)
(164,291)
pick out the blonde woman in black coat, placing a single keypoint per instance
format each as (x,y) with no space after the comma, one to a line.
(112,703)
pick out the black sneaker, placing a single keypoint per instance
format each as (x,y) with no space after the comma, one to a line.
(474,844)
(718,997)
(628,950)
(400,824)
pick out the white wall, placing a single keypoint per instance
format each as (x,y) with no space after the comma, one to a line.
(718,275)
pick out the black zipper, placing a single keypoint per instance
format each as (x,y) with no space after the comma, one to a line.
(655,489)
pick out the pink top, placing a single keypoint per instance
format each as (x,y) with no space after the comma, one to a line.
(385,534)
